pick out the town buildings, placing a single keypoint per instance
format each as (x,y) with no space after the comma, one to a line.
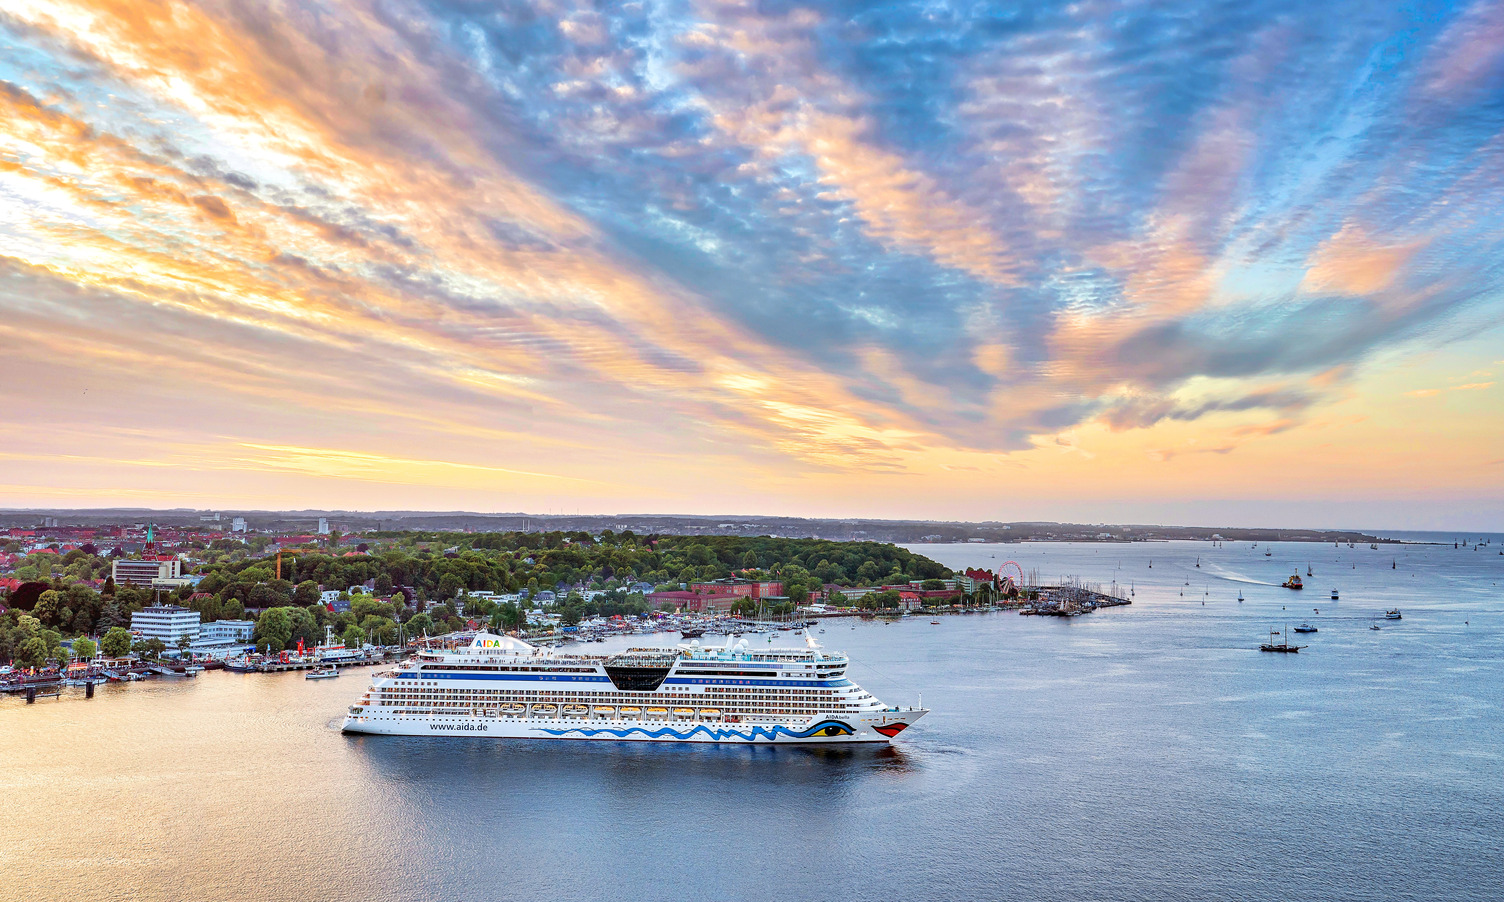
(167,622)
(146,572)
(225,632)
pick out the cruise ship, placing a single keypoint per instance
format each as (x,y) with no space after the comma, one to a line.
(504,687)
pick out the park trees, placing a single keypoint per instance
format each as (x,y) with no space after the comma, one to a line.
(84,648)
(306,594)
(117,642)
(274,628)
(149,649)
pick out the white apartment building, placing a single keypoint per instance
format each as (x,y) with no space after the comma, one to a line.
(166,622)
(145,573)
(217,632)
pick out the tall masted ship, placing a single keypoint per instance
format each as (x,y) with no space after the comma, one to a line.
(504,687)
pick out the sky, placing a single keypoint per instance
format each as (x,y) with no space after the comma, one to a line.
(1233,263)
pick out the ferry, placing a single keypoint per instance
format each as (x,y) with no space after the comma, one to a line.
(504,687)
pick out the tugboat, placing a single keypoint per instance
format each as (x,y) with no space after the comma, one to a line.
(1293,583)
(1306,628)
(1282,646)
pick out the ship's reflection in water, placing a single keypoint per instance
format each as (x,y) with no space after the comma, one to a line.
(504,766)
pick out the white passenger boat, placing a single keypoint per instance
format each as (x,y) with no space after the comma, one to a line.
(504,687)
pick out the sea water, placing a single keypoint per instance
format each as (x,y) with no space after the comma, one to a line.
(1145,752)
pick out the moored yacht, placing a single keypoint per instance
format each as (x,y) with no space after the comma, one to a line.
(504,687)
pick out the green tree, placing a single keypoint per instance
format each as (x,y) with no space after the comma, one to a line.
(33,652)
(569,616)
(306,594)
(750,561)
(508,616)
(352,636)
(116,642)
(420,625)
(183,642)
(149,649)
(274,628)
(84,648)
(49,606)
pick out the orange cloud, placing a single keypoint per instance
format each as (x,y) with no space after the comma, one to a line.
(1352,262)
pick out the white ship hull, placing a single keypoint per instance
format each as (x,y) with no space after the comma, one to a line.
(875,727)
(505,688)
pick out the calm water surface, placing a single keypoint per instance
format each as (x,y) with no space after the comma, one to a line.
(1147,752)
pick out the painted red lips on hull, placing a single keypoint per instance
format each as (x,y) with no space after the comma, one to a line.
(892,730)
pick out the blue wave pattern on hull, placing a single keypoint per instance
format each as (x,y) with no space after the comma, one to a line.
(824,728)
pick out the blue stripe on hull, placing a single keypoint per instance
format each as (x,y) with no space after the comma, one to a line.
(822,729)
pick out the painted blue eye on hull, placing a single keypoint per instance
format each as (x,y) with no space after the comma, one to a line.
(824,728)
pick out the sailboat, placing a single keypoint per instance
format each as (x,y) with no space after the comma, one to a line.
(1241,596)
(1199,562)
(1308,569)
(1282,646)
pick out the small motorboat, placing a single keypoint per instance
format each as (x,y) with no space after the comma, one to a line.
(657,713)
(576,710)
(605,711)
(322,673)
(1392,614)
(1374,626)
(710,713)
(935,623)
(1335,594)
(1305,628)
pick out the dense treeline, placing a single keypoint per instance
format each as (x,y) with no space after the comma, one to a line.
(418,582)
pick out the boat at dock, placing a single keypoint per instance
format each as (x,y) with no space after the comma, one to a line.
(497,685)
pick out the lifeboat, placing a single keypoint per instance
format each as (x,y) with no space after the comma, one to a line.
(514,708)
(545,710)
(684,712)
(710,713)
(657,713)
(576,710)
(605,711)
(629,711)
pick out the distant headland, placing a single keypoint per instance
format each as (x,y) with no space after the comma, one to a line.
(835,529)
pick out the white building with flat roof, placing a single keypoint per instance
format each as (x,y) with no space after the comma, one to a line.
(167,622)
(225,632)
(145,573)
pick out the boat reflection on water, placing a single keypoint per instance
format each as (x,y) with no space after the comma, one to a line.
(636,770)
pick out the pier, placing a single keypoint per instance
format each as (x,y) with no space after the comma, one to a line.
(1071,599)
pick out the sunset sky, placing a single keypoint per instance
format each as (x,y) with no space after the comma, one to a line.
(1235,263)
